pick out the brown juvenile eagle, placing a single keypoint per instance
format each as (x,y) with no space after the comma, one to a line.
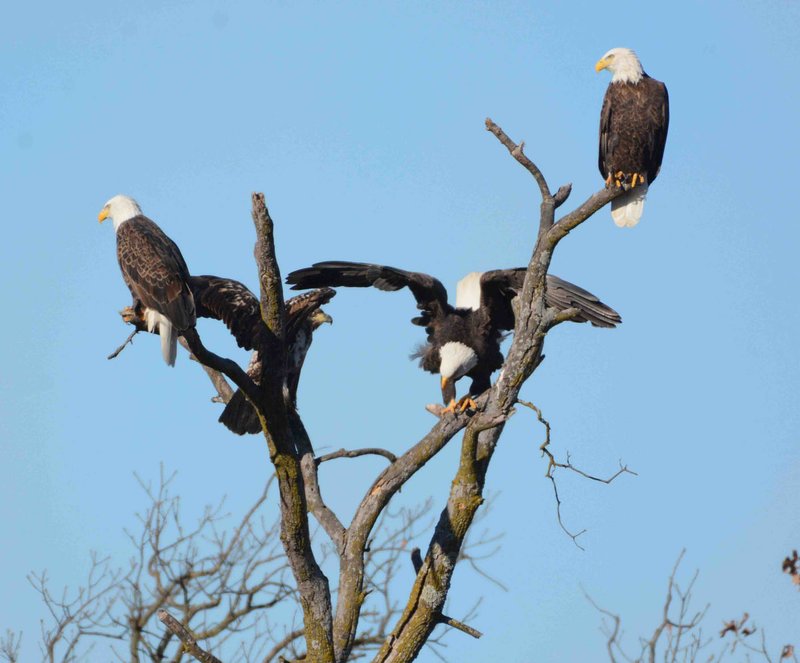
(234,304)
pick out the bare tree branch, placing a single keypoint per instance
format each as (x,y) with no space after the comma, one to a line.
(128,340)
(517,151)
(553,464)
(356,453)
(224,391)
(10,644)
(186,637)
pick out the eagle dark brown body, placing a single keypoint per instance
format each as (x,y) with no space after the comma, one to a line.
(633,128)
(155,272)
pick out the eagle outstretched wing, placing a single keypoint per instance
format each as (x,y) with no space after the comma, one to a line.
(429,292)
(500,286)
(232,303)
(239,309)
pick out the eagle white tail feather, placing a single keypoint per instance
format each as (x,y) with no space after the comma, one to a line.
(468,291)
(169,339)
(627,209)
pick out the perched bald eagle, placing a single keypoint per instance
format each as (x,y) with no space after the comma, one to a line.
(463,340)
(633,132)
(233,303)
(154,271)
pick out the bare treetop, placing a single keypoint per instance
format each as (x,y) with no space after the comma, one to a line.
(330,627)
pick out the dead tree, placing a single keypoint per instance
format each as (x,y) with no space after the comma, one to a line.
(219,587)
(330,629)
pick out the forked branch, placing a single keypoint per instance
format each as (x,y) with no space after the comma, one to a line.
(483,432)
(553,464)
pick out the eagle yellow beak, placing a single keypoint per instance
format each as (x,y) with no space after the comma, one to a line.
(444,382)
(103,215)
(602,63)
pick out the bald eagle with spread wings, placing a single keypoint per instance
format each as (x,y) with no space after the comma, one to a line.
(633,132)
(463,340)
(235,305)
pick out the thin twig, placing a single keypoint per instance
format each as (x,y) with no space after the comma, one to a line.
(553,464)
(116,352)
(464,628)
(517,151)
(612,636)
(186,637)
(355,453)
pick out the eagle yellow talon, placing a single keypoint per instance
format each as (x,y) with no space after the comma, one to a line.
(633,179)
(461,405)
(467,403)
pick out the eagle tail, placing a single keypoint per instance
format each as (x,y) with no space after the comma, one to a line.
(627,209)
(239,415)
(166,330)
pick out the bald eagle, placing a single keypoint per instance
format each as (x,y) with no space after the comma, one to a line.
(234,304)
(463,340)
(633,132)
(154,271)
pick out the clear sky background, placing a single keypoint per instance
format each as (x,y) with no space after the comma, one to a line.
(364,127)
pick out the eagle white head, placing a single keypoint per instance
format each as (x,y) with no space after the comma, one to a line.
(623,64)
(119,209)
(455,361)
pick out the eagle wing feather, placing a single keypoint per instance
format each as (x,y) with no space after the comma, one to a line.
(155,271)
(500,286)
(429,292)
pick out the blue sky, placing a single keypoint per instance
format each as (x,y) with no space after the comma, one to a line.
(363,124)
